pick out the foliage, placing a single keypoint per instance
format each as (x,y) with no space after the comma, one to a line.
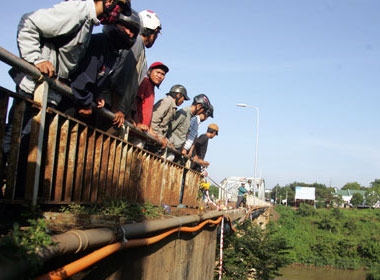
(132,211)
(24,244)
(254,251)
(342,238)
(323,194)
(357,199)
(214,191)
(352,186)
(372,197)
(375,185)
(305,210)
(374,273)
(74,209)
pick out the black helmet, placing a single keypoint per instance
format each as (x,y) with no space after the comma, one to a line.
(203,100)
(210,111)
(178,89)
(119,39)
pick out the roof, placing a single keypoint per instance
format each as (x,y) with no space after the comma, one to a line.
(348,192)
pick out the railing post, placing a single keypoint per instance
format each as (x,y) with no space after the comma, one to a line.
(35,153)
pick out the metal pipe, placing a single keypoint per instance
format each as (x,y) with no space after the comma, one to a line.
(80,240)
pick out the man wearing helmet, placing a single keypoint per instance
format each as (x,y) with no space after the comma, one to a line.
(165,109)
(91,80)
(193,130)
(131,68)
(180,125)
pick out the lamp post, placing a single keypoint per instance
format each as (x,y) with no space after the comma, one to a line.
(257,132)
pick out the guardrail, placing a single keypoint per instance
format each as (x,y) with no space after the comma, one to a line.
(66,161)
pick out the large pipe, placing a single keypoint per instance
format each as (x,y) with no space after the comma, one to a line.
(76,241)
(80,240)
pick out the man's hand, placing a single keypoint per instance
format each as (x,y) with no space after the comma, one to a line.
(119,119)
(85,111)
(46,68)
(164,142)
(143,127)
(100,103)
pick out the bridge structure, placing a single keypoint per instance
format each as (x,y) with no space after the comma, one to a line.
(229,186)
(65,161)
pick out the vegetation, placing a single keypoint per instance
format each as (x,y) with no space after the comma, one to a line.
(22,245)
(253,252)
(342,238)
(324,195)
(131,211)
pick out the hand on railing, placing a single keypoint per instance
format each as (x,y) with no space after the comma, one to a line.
(119,119)
(47,68)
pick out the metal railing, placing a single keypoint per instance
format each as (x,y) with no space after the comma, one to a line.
(64,160)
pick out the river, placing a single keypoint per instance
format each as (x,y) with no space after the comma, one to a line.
(317,273)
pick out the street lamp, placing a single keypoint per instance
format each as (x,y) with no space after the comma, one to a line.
(257,133)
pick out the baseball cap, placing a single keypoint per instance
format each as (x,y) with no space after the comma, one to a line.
(159,65)
(214,127)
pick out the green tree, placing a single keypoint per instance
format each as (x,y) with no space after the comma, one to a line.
(357,199)
(371,198)
(352,186)
(214,191)
(252,251)
(375,184)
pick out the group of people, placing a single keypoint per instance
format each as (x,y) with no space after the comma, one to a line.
(109,69)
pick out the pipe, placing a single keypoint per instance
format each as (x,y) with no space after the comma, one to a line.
(75,241)
(85,262)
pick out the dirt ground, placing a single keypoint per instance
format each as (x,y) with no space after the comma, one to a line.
(274,216)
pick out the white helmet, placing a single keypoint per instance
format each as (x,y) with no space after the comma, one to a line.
(150,20)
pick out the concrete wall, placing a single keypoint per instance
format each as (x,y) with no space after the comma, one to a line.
(185,256)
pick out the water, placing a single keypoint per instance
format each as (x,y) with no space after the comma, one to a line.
(317,273)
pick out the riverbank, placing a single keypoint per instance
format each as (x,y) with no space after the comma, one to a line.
(341,238)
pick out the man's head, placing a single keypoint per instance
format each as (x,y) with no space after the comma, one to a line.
(200,104)
(212,130)
(249,181)
(151,27)
(123,34)
(108,10)
(179,94)
(207,113)
(156,72)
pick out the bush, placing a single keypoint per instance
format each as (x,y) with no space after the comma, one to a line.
(306,210)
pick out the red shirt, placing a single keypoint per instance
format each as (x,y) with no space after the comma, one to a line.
(145,102)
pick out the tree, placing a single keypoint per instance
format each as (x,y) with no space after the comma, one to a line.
(372,197)
(252,250)
(306,210)
(214,191)
(375,183)
(357,199)
(352,186)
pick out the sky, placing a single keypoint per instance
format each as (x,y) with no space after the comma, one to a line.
(311,68)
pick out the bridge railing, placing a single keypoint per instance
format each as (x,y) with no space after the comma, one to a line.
(63,160)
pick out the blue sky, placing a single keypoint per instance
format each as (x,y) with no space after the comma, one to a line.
(311,67)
